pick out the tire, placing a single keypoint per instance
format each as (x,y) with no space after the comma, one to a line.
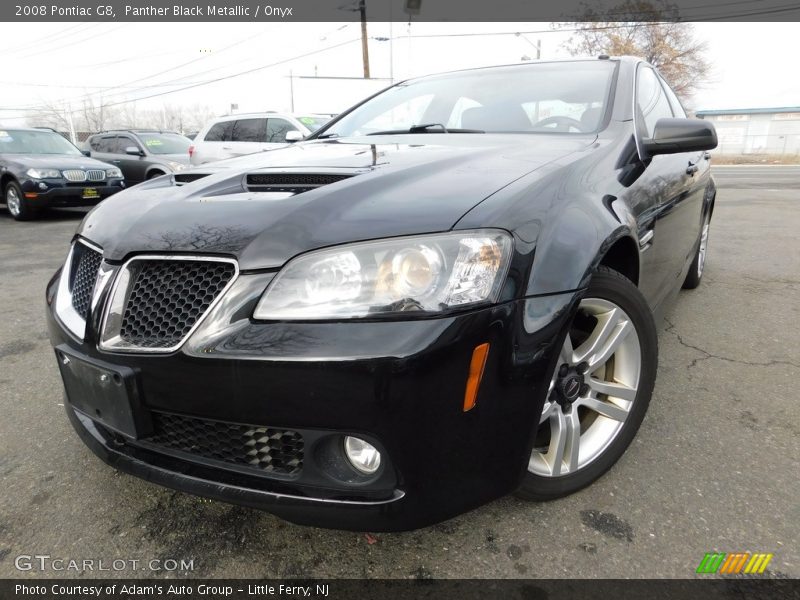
(615,350)
(695,273)
(19,208)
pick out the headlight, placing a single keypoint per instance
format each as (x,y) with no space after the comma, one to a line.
(176,166)
(43,173)
(421,274)
(114,173)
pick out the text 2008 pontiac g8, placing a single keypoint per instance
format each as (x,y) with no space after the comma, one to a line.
(445,295)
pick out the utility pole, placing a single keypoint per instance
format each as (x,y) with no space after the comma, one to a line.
(362,9)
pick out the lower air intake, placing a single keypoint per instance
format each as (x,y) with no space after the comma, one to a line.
(264,449)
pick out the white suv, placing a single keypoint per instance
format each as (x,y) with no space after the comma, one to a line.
(236,135)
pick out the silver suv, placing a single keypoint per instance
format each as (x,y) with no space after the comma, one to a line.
(236,135)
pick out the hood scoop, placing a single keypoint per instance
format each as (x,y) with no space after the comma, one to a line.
(184,178)
(295,183)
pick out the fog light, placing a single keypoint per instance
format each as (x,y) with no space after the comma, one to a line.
(362,455)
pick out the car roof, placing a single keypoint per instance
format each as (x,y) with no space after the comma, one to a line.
(134,131)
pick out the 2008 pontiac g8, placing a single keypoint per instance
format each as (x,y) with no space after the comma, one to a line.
(445,295)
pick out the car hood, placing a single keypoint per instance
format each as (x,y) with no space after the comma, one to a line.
(56,161)
(396,185)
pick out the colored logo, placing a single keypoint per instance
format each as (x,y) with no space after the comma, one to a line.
(734,563)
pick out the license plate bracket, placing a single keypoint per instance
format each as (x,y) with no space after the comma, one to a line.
(106,393)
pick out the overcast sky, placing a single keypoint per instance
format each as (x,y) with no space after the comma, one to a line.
(754,64)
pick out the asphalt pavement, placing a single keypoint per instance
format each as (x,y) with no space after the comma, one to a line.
(714,467)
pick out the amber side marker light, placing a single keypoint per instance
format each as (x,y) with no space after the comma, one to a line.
(476,366)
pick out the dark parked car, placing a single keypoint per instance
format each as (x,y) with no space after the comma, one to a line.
(444,296)
(142,154)
(40,169)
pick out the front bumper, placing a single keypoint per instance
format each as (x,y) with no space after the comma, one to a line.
(400,384)
(60,193)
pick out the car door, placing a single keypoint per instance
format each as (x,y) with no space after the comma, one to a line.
(277,128)
(248,136)
(133,166)
(668,178)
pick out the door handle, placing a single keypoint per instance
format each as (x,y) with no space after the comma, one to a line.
(116,161)
(692,168)
(227,148)
(706,155)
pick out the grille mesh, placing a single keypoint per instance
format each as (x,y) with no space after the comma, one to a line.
(290,182)
(182,178)
(95,175)
(167,297)
(74,175)
(262,448)
(84,277)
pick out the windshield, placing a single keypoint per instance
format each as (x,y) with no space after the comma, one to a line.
(165,143)
(565,97)
(21,141)
(313,122)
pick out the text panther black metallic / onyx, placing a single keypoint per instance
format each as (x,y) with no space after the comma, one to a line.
(445,295)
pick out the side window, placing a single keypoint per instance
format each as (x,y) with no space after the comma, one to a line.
(103,144)
(249,130)
(124,142)
(219,132)
(651,101)
(277,130)
(677,109)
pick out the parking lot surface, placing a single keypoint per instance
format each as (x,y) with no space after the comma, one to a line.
(714,466)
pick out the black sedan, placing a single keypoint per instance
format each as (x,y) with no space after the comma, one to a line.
(39,169)
(446,295)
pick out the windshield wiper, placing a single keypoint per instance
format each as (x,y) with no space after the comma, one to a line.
(426,128)
(326,136)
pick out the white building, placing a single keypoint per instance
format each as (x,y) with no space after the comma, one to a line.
(756,130)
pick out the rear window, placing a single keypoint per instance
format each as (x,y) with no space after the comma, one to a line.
(219,132)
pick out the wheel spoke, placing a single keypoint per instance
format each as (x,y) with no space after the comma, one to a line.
(616,390)
(558,438)
(549,407)
(612,329)
(573,442)
(607,409)
(567,354)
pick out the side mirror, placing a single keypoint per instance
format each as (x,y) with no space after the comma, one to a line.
(86,152)
(133,150)
(672,136)
(293,136)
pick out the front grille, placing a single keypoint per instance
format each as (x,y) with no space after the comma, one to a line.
(263,449)
(79,175)
(291,182)
(86,264)
(167,297)
(74,175)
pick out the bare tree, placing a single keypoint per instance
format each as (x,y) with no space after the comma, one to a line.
(650,30)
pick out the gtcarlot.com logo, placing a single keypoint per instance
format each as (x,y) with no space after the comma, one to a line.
(45,562)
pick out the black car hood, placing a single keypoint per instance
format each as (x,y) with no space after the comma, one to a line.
(399,185)
(56,161)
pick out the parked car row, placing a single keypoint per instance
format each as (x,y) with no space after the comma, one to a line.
(39,168)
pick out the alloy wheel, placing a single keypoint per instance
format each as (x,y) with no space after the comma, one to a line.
(12,201)
(591,392)
(701,254)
